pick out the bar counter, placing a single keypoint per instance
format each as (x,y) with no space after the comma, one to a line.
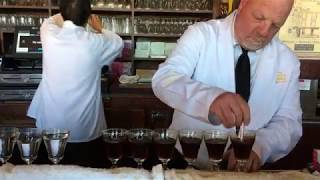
(44,172)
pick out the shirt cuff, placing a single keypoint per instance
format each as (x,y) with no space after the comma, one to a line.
(262,150)
(212,117)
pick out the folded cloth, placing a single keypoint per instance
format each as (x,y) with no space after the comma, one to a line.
(57,172)
(68,172)
(125,79)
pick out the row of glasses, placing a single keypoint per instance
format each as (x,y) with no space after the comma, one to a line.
(21,20)
(24,2)
(216,141)
(29,140)
(118,24)
(164,141)
(174,4)
(163,25)
(139,141)
(125,4)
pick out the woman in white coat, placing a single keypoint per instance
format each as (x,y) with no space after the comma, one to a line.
(69,95)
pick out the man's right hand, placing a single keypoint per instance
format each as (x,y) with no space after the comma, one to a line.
(231,110)
(95,22)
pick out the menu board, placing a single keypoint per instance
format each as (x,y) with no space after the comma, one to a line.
(301,32)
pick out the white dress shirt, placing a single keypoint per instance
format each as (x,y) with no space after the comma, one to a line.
(202,67)
(69,95)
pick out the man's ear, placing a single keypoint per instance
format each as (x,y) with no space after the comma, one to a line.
(242,4)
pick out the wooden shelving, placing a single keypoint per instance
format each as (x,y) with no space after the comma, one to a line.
(124,34)
(135,12)
(178,11)
(112,9)
(156,35)
(24,7)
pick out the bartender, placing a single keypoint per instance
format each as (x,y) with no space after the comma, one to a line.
(69,95)
(201,80)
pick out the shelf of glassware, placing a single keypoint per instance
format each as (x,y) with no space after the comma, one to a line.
(129,10)
(23,7)
(157,35)
(142,10)
(172,11)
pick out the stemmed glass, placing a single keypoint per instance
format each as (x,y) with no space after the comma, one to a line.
(216,141)
(114,140)
(139,140)
(8,137)
(55,141)
(29,141)
(242,147)
(190,141)
(164,141)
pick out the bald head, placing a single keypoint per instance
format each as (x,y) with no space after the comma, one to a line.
(280,7)
(258,21)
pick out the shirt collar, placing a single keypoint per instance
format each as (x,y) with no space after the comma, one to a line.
(234,39)
(70,24)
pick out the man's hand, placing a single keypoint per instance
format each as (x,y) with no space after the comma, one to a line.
(95,22)
(231,110)
(253,164)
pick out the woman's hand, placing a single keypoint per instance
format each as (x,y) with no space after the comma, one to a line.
(58,20)
(95,22)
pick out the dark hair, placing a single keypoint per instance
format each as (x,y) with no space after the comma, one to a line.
(77,11)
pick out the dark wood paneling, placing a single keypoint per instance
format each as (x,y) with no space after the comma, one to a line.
(125,118)
(137,111)
(14,114)
(310,69)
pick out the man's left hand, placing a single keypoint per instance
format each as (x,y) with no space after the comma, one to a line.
(254,162)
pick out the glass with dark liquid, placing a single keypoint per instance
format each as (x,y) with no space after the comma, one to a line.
(216,141)
(164,141)
(55,141)
(139,141)
(114,140)
(190,141)
(29,141)
(8,136)
(242,147)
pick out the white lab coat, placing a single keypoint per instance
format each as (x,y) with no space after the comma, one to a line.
(202,67)
(69,95)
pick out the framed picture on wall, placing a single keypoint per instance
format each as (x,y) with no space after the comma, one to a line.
(301,31)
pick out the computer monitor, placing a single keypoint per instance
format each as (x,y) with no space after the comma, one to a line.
(27,43)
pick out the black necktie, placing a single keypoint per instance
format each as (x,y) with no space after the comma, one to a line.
(242,75)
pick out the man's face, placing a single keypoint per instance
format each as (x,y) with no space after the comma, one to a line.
(259,20)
